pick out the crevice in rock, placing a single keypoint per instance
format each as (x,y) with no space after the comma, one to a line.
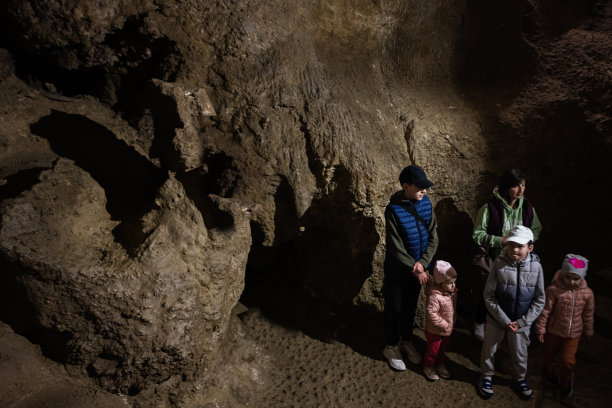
(222,176)
(286,221)
(130,181)
(165,120)
(197,186)
(407,138)
(314,163)
(40,72)
(142,57)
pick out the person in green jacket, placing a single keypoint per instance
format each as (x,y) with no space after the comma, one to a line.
(506,208)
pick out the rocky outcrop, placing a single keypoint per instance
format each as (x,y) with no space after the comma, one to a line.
(132,321)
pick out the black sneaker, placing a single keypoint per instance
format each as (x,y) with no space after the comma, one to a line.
(524,390)
(550,377)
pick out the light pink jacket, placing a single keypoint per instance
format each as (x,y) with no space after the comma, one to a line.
(440,318)
(567,313)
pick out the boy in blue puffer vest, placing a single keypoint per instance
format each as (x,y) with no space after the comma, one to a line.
(412,241)
(514,297)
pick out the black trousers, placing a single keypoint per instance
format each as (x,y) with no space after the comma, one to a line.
(401,297)
(480,314)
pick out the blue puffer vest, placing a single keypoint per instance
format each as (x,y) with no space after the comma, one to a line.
(415,233)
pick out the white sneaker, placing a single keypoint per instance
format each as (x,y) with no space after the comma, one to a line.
(411,352)
(479,331)
(430,373)
(394,357)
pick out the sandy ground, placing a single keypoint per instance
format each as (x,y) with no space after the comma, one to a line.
(308,361)
(316,373)
(29,380)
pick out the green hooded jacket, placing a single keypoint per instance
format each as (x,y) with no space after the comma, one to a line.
(512,218)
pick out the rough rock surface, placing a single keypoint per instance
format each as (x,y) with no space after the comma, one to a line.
(30,380)
(155,317)
(153,151)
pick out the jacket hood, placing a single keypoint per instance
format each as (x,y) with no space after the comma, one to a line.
(398,198)
(504,202)
(558,281)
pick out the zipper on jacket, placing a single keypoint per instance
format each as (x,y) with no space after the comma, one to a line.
(518,290)
(569,328)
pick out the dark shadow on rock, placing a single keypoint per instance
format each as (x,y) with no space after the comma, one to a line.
(129,179)
(581,159)
(197,189)
(493,50)
(19,182)
(457,247)
(166,120)
(143,57)
(308,279)
(17,310)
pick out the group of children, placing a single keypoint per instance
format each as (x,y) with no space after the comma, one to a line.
(515,299)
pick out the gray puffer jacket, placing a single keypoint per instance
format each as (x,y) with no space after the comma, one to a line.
(514,290)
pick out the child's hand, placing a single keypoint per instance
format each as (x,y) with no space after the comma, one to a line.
(541,338)
(513,326)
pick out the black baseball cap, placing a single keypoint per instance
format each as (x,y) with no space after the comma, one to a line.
(413,174)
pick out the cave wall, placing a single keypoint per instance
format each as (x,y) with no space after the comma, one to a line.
(300,117)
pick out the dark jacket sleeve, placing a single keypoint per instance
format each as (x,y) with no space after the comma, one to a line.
(394,243)
(432,244)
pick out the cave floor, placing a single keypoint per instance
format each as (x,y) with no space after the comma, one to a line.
(330,373)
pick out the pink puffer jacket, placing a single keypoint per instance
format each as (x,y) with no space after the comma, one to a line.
(440,318)
(567,313)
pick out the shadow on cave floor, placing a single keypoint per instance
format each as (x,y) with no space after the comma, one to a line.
(358,327)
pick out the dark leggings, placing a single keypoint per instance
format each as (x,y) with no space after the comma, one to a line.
(481,310)
(401,297)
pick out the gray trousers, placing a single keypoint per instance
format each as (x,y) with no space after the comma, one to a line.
(517,345)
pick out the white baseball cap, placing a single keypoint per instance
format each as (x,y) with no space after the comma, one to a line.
(520,234)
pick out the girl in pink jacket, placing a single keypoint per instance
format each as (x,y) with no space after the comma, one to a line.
(440,319)
(567,315)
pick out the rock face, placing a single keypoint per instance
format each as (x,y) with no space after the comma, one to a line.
(132,321)
(154,151)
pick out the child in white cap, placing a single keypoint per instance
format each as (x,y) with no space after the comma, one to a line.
(514,297)
(567,315)
(440,319)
